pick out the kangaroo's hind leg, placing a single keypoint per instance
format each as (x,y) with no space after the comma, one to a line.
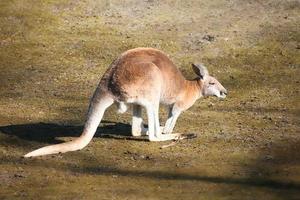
(137,127)
(155,133)
(153,127)
(154,130)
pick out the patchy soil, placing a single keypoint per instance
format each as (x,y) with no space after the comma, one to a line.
(53,54)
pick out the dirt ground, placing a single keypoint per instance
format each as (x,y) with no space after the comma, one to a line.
(53,53)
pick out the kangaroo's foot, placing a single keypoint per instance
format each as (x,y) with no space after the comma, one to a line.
(165,137)
(173,136)
(146,133)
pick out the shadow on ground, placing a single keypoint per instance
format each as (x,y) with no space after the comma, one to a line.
(48,132)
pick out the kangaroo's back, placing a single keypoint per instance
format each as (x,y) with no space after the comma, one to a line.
(144,67)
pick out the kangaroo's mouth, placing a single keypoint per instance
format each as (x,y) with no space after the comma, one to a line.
(220,96)
(223,94)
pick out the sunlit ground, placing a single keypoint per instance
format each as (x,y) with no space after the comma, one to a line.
(53,54)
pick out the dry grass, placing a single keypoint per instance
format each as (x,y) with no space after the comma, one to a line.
(54,52)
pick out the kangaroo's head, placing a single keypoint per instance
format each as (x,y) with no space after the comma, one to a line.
(211,86)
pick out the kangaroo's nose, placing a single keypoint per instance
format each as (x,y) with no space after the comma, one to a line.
(223,92)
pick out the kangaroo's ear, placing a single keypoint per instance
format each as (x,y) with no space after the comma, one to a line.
(200,70)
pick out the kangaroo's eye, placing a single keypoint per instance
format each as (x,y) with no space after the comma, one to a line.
(211,83)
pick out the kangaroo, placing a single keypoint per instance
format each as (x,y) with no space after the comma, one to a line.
(143,77)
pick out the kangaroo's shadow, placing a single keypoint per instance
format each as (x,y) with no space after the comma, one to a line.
(48,132)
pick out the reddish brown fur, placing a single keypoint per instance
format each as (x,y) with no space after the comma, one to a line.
(144,72)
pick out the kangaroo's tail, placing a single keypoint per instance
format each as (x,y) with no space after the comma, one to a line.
(98,105)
